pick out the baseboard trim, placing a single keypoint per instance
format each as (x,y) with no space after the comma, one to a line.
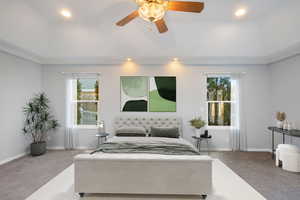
(259,150)
(63,148)
(204,149)
(13,158)
(215,149)
(55,148)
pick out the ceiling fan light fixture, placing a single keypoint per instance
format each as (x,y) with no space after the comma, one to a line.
(153,11)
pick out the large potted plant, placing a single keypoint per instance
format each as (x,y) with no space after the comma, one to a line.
(38,123)
(197,123)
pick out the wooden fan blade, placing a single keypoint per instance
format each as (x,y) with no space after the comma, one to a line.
(186,6)
(127,19)
(161,26)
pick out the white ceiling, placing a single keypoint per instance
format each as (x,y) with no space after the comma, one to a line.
(36,26)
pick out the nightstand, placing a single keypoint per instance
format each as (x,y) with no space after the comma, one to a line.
(102,137)
(200,139)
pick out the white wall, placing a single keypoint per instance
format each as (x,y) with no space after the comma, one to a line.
(281,30)
(190,98)
(19,79)
(285,93)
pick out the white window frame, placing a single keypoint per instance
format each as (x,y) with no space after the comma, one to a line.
(207,103)
(75,102)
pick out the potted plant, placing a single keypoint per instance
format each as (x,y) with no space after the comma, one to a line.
(38,123)
(197,123)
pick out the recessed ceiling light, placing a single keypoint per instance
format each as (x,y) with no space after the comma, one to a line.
(129,59)
(66,13)
(175,59)
(241,12)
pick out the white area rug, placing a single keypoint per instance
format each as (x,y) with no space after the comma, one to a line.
(226,186)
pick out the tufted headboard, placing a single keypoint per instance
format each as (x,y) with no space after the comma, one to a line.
(147,122)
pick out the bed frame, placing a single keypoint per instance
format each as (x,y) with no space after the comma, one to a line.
(143,173)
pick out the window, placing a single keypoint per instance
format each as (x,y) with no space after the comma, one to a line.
(86,102)
(219,101)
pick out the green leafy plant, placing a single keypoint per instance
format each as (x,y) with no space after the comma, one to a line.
(38,120)
(197,123)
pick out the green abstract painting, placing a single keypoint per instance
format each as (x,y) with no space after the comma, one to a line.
(162,94)
(134,93)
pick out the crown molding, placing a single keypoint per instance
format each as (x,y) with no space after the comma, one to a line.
(156,60)
(19,52)
(284,54)
(212,60)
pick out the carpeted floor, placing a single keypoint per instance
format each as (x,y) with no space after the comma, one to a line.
(259,170)
(225,184)
(20,178)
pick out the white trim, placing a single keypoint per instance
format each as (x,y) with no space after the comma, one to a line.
(219,127)
(11,49)
(278,56)
(117,60)
(204,150)
(13,158)
(56,148)
(286,53)
(76,148)
(259,150)
(85,127)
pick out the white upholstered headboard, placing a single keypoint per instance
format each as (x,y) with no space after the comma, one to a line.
(147,122)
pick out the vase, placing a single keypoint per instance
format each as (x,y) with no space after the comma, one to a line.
(198,132)
(279,124)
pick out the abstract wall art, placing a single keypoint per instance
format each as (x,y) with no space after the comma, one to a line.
(134,93)
(162,94)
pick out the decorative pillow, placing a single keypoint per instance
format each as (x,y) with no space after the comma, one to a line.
(164,132)
(131,132)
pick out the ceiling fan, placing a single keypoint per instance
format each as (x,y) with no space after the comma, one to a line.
(155,10)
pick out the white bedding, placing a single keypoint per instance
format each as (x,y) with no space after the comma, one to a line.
(144,156)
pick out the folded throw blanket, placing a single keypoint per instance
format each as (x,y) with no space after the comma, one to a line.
(149,148)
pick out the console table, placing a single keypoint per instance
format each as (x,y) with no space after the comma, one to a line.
(284,132)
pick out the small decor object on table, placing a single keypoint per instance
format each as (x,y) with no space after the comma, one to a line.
(281,117)
(101,134)
(100,127)
(197,123)
(38,123)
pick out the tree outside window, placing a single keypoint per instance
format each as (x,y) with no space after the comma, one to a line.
(86,102)
(219,101)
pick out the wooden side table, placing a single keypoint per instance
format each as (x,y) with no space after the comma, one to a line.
(101,138)
(200,139)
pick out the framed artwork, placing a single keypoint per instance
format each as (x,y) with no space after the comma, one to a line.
(134,93)
(162,94)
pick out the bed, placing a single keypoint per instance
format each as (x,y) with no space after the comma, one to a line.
(144,165)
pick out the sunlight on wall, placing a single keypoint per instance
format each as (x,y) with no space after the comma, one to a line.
(129,67)
(174,67)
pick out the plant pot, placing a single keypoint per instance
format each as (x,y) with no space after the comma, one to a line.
(38,148)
